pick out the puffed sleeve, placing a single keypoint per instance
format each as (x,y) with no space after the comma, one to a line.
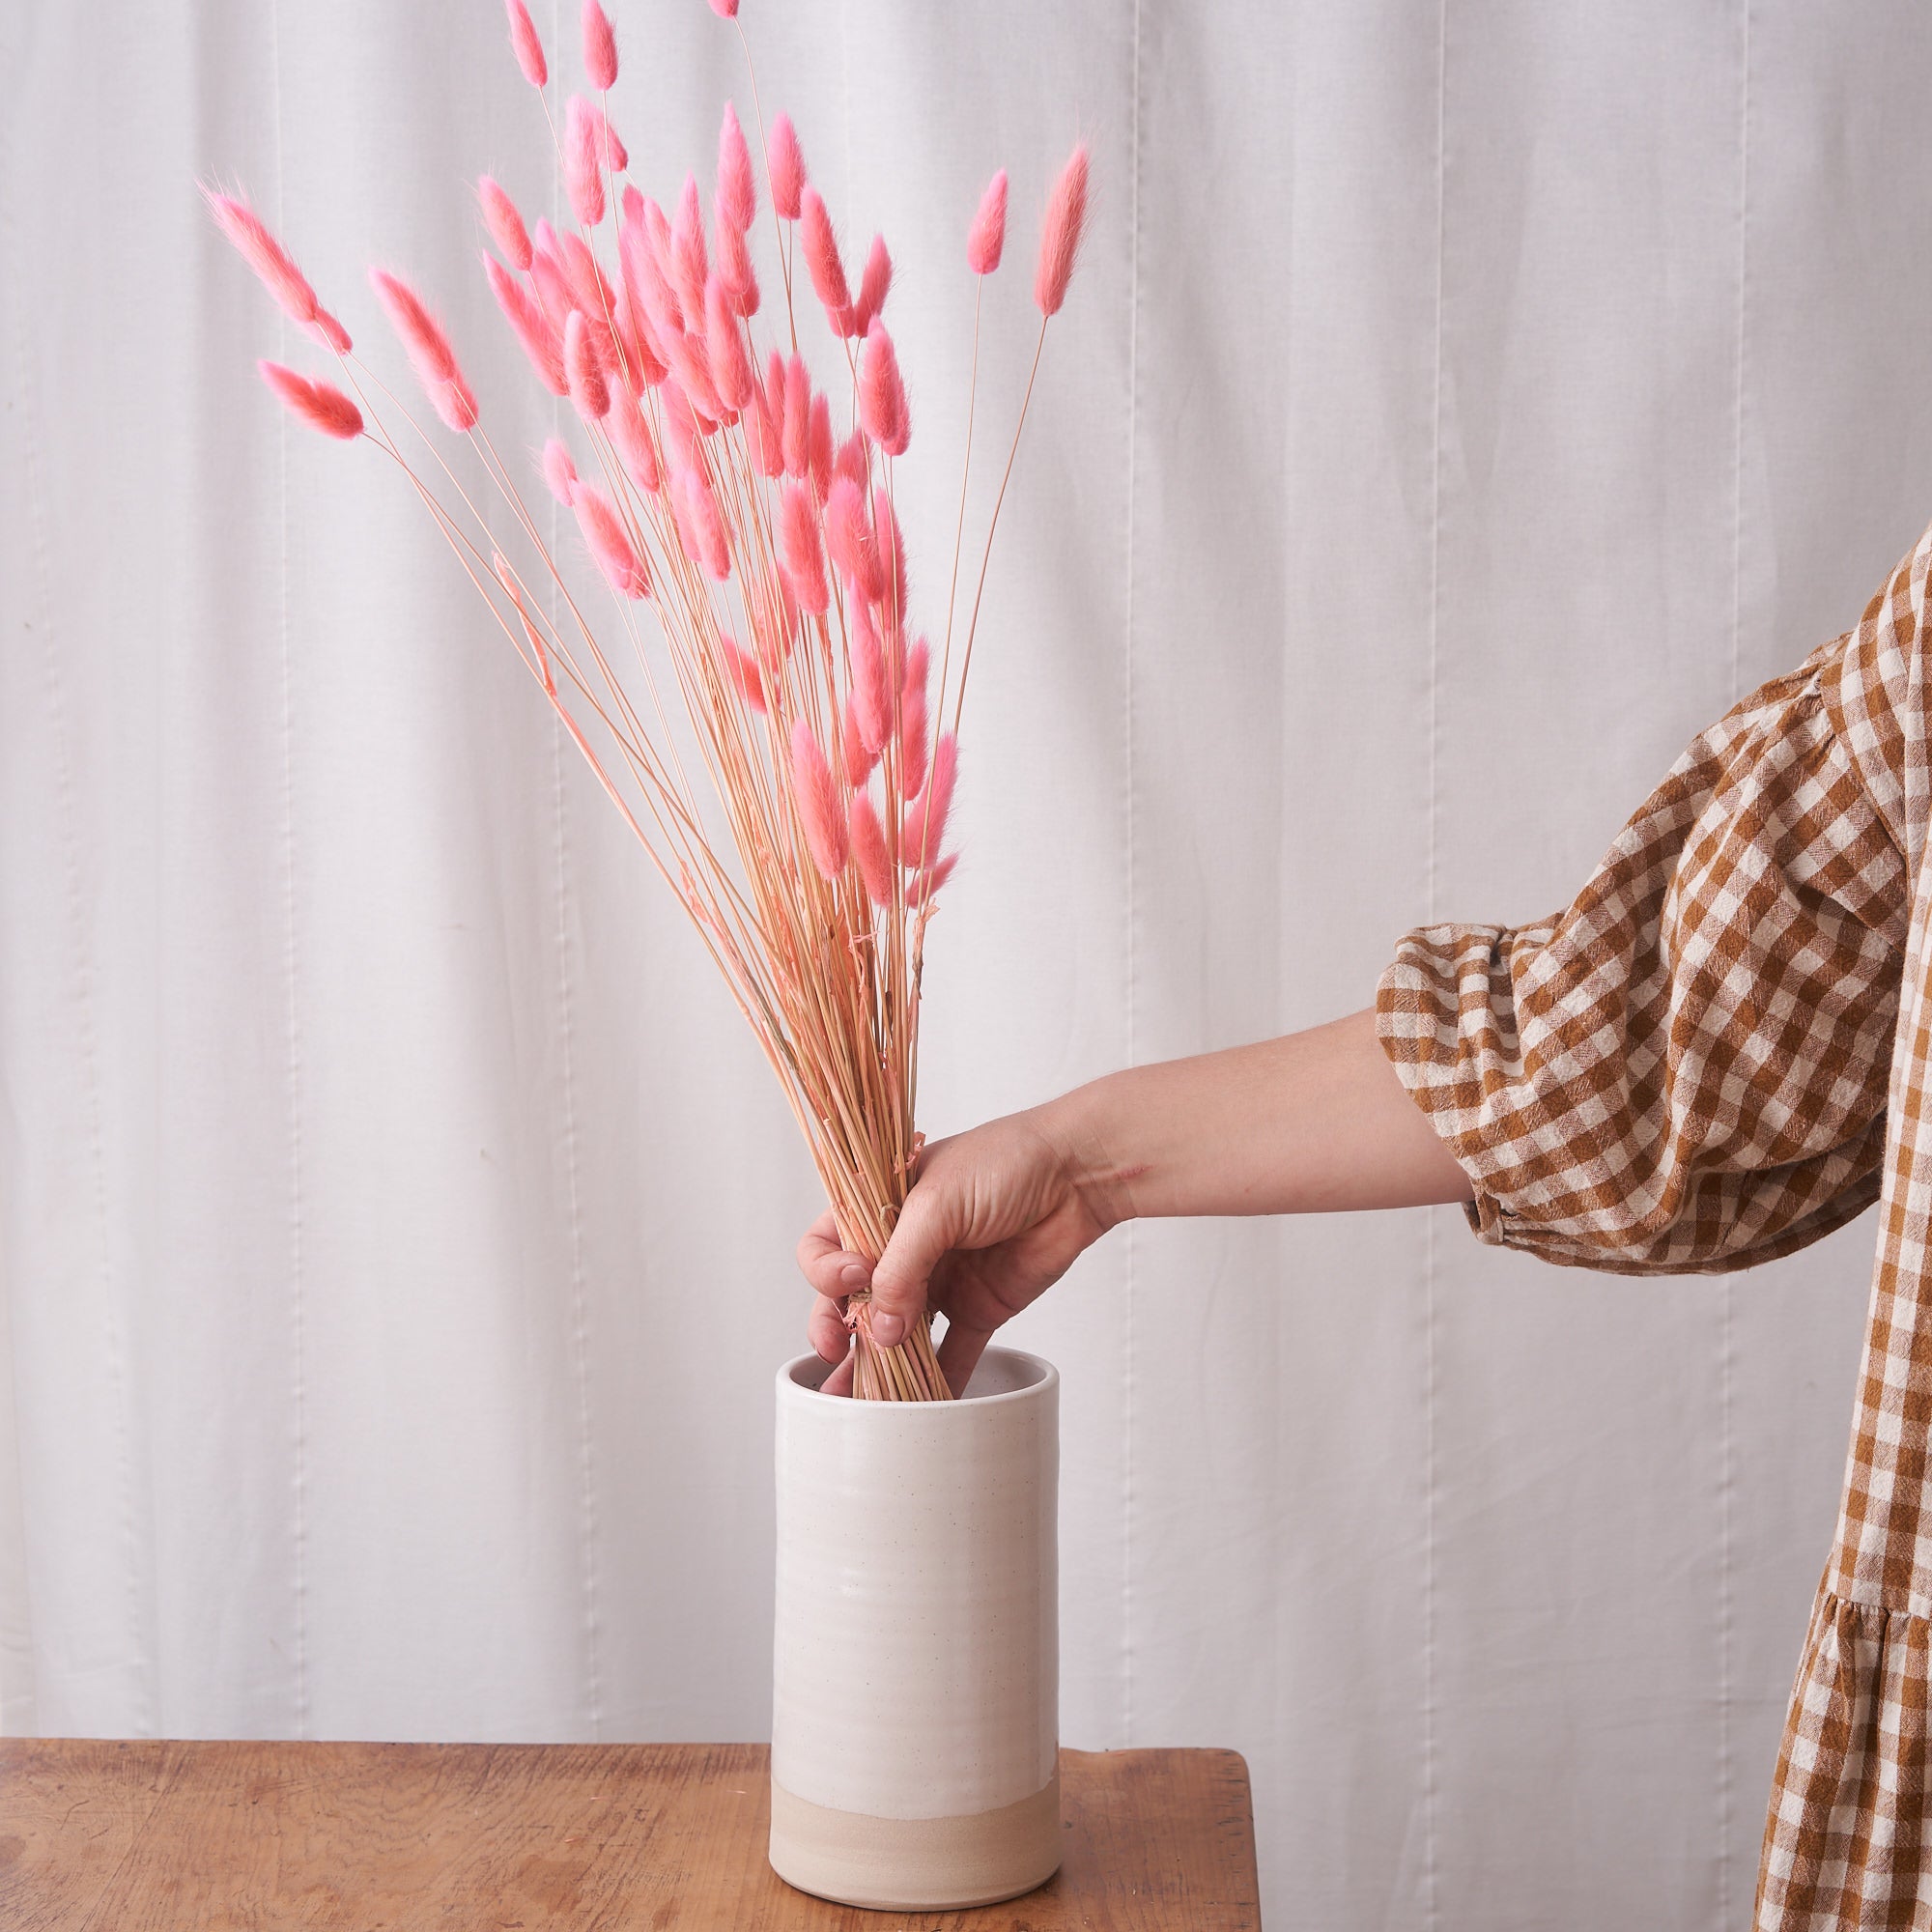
(1685,1068)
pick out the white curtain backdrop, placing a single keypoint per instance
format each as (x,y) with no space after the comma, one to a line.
(1459,406)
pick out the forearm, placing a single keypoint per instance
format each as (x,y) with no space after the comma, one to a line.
(1314,1122)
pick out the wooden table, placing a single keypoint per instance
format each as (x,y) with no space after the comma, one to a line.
(157,1836)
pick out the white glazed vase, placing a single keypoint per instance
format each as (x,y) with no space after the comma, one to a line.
(915,1711)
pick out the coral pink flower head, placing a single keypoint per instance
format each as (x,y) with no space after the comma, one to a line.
(735,271)
(818,445)
(784,164)
(821,257)
(926,816)
(429,352)
(600,47)
(821,815)
(804,561)
(848,537)
(986,239)
(796,421)
(559,470)
(743,670)
(767,439)
(871,700)
(883,411)
(874,285)
(730,366)
(588,389)
(927,880)
(636,450)
(890,541)
(726,9)
(859,761)
(737,188)
(582,177)
(1060,233)
(505,225)
(913,746)
(319,404)
(707,528)
(869,848)
(263,253)
(603,532)
(530,326)
(687,258)
(523,40)
(854,460)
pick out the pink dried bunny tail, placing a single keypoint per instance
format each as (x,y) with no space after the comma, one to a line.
(319,404)
(890,541)
(275,267)
(735,271)
(818,445)
(871,700)
(884,412)
(763,433)
(848,537)
(600,47)
(821,257)
(859,761)
(645,278)
(854,460)
(559,470)
(530,326)
(820,814)
(688,259)
(874,285)
(743,670)
(429,352)
(737,186)
(928,879)
(730,366)
(986,239)
(1060,233)
(784,164)
(504,223)
(726,9)
(804,561)
(913,746)
(869,848)
(523,40)
(604,531)
(797,423)
(582,177)
(926,816)
(593,294)
(707,528)
(588,389)
(636,450)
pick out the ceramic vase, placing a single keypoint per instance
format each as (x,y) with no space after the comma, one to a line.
(915,1733)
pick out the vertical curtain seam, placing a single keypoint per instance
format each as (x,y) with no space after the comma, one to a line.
(299,1404)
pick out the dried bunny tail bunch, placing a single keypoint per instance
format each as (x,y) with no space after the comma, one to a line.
(800,799)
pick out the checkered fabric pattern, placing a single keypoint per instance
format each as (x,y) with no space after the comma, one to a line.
(1720,1051)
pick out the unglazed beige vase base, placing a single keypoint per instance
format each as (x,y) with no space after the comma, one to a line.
(916,1864)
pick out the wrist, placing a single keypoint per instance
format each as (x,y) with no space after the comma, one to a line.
(1084,1128)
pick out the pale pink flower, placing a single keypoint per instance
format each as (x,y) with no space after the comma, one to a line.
(530,326)
(822,814)
(848,537)
(804,558)
(430,354)
(707,528)
(681,427)
(926,816)
(593,294)
(588,389)
(874,285)
(266,255)
(884,412)
(735,271)
(687,258)
(987,238)
(1060,233)
(784,164)
(854,460)
(319,404)
(609,543)
(737,188)
(821,257)
(523,40)
(644,367)
(582,177)
(600,47)
(559,470)
(869,848)
(552,286)
(505,225)
(632,436)
(645,278)
(730,366)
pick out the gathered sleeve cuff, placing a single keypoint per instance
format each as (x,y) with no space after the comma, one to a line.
(1685,1068)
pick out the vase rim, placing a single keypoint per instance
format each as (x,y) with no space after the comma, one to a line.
(1043,1378)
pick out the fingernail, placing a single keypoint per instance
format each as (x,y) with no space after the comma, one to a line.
(855,1277)
(888,1330)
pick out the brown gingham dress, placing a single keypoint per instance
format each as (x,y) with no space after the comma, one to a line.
(1721,1051)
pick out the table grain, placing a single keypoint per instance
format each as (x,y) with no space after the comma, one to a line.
(149,1835)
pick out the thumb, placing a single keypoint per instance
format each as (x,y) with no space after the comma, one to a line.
(902,1274)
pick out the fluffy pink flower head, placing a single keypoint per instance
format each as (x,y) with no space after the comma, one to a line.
(986,239)
(913,722)
(530,326)
(1060,233)
(742,669)
(735,271)
(609,546)
(804,558)
(926,816)
(818,445)
(848,537)
(822,814)
(726,9)
(737,188)
(821,257)
(524,41)
(784,164)
(319,404)
(505,225)
(871,698)
(763,433)
(707,528)
(600,47)
(730,365)
(928,879)
(429,352)
(796,421)
(874,285)
(588,389)
(632,436)
(687,258)
(854,460)
(890,541)
(275,267)
(869,848)
(582,177)
(644,276)
(883,409)
(559,470)
(859,761)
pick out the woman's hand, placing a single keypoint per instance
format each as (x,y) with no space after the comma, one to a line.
(995,1217)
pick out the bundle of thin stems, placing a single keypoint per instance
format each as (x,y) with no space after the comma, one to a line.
(714,488)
